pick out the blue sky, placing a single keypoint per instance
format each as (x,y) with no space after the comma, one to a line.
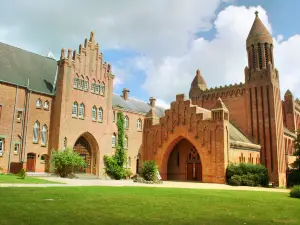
(156,46)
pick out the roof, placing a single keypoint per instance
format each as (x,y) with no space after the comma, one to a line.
(18,66)
(198,80)
(236,135)
(288,132)
(258,33)
(135,105)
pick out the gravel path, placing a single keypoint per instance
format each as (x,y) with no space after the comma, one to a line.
(166,184)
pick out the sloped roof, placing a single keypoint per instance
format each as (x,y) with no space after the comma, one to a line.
(135,105)
(236,135)
(17,66)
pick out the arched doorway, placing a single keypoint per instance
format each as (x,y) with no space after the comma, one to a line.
(184,162)
(31,159)
(83,148)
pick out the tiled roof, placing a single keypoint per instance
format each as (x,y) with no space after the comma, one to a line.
(134,105)
(288,132)
(236,135)
(17,66)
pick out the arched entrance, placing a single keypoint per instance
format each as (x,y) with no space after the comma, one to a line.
(184,162)
(88,152)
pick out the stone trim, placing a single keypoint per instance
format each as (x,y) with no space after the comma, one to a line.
(245,146)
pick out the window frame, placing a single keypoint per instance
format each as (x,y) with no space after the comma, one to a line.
(126,122)
(2,146)
(75,82)
(94,110)
(100,117)
(113,140)
(46,105)
(44,133)
(36,138)
(75,104)
(38,103)
(18,148)
(139,124)
(81,111)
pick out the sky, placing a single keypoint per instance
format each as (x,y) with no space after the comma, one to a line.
(155,47)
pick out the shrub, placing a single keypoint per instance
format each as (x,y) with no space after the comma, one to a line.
(128,173)
(235,180)
(22,174)
(295,192)
(250,174)
(149,170)
(66,161)
(293,178)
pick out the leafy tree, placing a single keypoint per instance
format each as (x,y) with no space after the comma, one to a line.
(66,161)
(296,164)
(114,165)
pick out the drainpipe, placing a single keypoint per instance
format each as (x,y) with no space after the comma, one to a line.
(26,126)
(12,128)
(23,121)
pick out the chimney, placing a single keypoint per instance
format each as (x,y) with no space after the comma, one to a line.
(125,93)
(152,101)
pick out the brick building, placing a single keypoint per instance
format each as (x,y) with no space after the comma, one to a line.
(47,104)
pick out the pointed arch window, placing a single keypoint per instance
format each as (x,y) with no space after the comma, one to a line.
(93,86)
(46,105)
(102,88)
(126,122)
(114,116)
(75,82)
(94,113)
(126,142)
(129,162)
(97,88)
(36,131)
(100,114)
(86,84)
(38,103)
(113,140)
(139,124)
(81,111)
(75,109)
(44,135)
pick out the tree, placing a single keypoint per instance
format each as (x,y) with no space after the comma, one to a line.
(296,164)
(114,165)
(66,161)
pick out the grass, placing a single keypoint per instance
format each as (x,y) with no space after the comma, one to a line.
(13,179)
(144,205)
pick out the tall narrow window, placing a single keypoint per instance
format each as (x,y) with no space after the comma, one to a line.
(0,111)
(46,105)
(81,111)
(75,109)
(44,135)
(126,122)
(38,103)
(86,85)
(139,124)
(97,88)
(19,116)
(259,56)
(114,116)
(65,142)
(113,140)
(36,131)
(102,89)
(93,86)
(100,114)
(75,82)
(16,148)
(126,142)
(94,113)
(129,162)
(1,146)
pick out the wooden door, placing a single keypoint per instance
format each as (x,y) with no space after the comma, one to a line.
(30,165)
(198,170)
(190,171)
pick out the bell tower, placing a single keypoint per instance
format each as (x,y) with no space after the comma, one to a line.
(263,101)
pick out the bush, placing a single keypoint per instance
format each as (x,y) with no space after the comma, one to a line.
(235,180)
(22,174)
(66,161)
(149,170)
(250,174)
(113,169)
(295,192)
(293,178)
(128,173)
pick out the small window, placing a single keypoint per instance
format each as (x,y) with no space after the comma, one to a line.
(126,122)
(75,84)
(43,157)
(129,162)
(113,140)
(102,89)
(139,124)
(65,143)
(94,113)
(81,110)
(0,111)
(80,84)
(19,116)
(100,114)
(93,86)
(44,135)
(1,146)
(75,109)
(36,131)
(97,89)
(126,142)
(16,148)
(46,105)
(114,116)
(86,85)
(38,103)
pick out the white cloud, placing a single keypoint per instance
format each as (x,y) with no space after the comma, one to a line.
(223,59)
(162,103)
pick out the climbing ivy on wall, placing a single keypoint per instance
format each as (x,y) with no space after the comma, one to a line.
(114,165)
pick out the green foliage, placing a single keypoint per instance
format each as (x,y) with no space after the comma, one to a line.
(295,192)
(22,174)
(149,170)
(296,164)
(293,178)
(128,173)
(114,165)
(249,175)
(66,161)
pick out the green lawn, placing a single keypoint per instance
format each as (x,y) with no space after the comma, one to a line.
(142,205)
(13,179)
